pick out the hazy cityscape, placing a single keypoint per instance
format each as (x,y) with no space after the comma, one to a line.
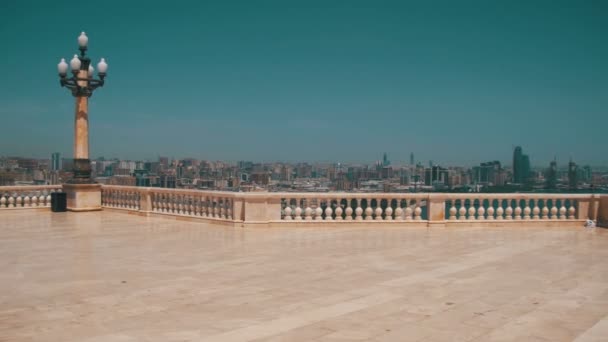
(382,175)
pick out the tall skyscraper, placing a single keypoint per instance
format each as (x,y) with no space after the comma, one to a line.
(551,176)
(412,158)
(572,175)
(521,166)
(56,161)
(385,161)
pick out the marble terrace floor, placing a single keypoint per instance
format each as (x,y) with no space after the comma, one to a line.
(111,276)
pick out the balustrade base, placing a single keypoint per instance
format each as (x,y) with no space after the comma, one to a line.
(83,197)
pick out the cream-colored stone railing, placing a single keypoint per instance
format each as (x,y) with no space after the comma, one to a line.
(516,207)
(353,207)
(334,209)
(26,197)
(331,209)
(214,205)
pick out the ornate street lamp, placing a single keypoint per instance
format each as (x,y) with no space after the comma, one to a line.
(81,84)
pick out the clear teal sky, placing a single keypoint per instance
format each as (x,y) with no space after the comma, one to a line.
(458,82)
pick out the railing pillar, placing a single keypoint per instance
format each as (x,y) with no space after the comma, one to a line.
(436,210)
(145,201)
(259,209)
(602,211)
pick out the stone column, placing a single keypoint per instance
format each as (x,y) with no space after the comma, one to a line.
(82,192)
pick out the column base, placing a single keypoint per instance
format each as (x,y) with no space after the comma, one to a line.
(83,197)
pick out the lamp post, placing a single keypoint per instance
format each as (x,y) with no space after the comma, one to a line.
(83,193)
(82,84)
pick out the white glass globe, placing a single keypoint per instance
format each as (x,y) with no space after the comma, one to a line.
(91,71)
(75,63)
(83,40)
(102,66)
(62,67)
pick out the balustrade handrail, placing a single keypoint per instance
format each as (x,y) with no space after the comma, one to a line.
(170,190)
(29,187)
(513,196)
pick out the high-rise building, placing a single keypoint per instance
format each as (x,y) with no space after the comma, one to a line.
(521,166)
(412,158)
(385,161)
(164,162)
(572,175)
(551,176)
(56,161)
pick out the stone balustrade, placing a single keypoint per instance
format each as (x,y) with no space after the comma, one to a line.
(334,209)
(353,207)
(214,205)
(26,197)
(527,207)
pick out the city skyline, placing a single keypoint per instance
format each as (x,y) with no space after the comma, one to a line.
(336,82)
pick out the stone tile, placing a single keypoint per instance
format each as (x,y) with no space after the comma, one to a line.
(104,276)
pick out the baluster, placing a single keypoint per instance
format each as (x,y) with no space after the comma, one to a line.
(196,204)
(3,201)
(554,209)
(11,201)
(223,209)
(527,210)
(328,210)
(203,205)
(307,209)
(572,211)
(378,210)
(562,210)
(171,203)
(192,205)
(499,209)
(298,210)
(409,212)
(481,211)
(490,209)
(518,209)
(509,211)
(398,210)
(359,211)
(209,206)
(318,210)
(388,212)
(471,209)
(183,205)
(348,212)
(19,202)
(453,211)
(338,210)
(26,201)
(229,209)
(368,210)
(462,211)
(545,210)
(536,210)
(418,210)
(220,207)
